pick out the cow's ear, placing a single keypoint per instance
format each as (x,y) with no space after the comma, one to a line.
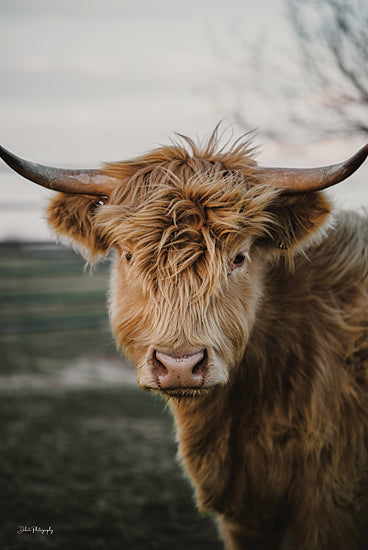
(296,219)
(73,216)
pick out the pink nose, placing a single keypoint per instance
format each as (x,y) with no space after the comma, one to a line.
(177,370)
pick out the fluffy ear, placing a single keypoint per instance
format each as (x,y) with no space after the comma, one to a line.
(296,220)
(73,216)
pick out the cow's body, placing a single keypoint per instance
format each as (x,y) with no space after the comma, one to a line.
(240,300)
(285,443)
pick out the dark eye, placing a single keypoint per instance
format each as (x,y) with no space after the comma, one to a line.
(128,256)
(239,259)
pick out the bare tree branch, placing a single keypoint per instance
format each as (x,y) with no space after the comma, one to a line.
(316,86)
(333,39)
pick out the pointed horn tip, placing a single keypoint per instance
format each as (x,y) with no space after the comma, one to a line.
(359,158)
(362,153)
(11,159)
(304,180)
(4,153)
(87,182)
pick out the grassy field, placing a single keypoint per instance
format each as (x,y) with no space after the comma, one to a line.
(50,308)
(95,463)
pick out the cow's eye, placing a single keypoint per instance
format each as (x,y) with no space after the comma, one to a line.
(238,261)
(128,255)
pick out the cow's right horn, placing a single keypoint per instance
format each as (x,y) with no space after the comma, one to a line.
(87,182)
(306,180)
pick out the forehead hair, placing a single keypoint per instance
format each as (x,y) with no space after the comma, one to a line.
(183,159)
(181,207)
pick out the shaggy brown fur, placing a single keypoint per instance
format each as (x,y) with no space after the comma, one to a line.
(278,439)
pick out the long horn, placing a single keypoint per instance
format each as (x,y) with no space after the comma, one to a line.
(88,182)
(304,180)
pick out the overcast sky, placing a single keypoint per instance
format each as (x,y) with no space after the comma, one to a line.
(84,81)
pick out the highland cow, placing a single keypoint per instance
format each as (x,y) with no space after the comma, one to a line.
(243,299)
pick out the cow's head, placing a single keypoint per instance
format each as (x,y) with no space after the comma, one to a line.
(193,229)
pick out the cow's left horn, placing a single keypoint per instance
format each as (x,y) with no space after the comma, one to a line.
(304,180)
(88,182)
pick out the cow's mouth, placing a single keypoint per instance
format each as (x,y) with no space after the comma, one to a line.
(184,393)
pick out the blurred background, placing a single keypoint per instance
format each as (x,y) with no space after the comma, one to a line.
(81,82)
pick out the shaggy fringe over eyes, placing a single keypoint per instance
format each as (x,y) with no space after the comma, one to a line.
(211,177)
(208,195)
(186,228)
(182,210)
(74,216)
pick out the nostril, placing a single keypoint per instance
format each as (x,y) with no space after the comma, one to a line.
(200,366)
(158,366)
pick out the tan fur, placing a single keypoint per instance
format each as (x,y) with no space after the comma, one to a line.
(279,438)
